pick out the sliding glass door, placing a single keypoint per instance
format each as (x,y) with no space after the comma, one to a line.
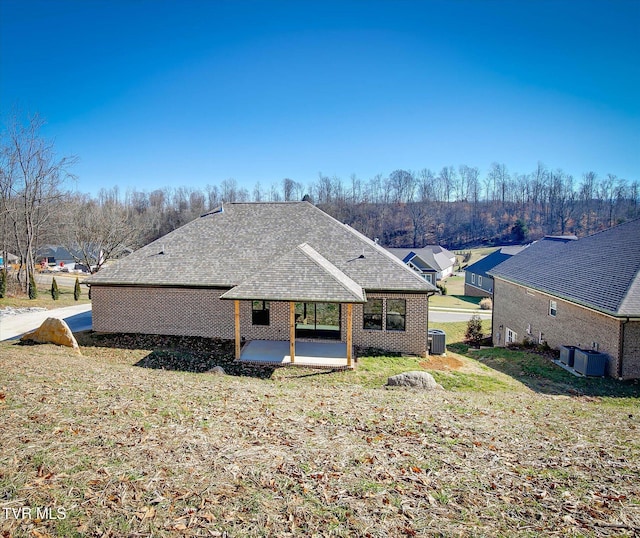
(318,320)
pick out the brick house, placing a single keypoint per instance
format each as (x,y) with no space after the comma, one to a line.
(477,280)
(266,271)
(583,293)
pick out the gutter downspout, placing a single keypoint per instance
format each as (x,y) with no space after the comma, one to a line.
(621,353)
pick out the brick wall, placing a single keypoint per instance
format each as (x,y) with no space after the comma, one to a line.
(519,309)
(175,311)
(183,311)
(474,291)
(413,340)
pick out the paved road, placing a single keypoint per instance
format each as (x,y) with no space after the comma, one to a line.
(77,317)
(445,316)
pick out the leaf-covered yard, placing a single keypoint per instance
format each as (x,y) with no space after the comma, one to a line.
(127,448)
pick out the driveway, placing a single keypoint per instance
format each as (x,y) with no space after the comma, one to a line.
(77,317)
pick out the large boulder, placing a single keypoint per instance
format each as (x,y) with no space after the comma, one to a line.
(53,331)
(418,380)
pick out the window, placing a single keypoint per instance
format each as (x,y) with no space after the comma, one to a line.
(553,308)
(479,280)
(511,336)
(473,278)
(260,312)
(373,315)
(396,314)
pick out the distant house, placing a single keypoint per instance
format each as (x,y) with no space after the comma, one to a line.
(432,262)
(477,281)
(583,293)
(266,271)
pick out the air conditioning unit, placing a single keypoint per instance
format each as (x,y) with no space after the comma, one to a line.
(567,354)
(589,362)
(437,342)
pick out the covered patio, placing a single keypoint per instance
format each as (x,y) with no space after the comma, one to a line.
(302,276)
(331,355)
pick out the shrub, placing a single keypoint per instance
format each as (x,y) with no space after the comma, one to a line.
(3,283)
(55,292)
(474,331)
(442,288)
(486,304)
(76,290)
(33,290)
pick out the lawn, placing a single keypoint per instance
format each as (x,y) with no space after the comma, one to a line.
(65,283)
(136,438)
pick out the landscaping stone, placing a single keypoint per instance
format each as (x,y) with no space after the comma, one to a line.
(418,380)
(52,331)
(217,370)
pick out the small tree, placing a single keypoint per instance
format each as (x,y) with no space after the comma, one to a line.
(76,290)
(55,292)
(474,331)
(3,284)
(33,290)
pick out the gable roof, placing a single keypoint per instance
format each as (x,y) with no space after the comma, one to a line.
(601,271)
(431,256)
(300,275)
(490,261)
(233,244)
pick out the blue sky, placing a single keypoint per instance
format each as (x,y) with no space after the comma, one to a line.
(153,93)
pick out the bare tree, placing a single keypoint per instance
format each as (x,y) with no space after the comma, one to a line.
(32,177)
(96,233)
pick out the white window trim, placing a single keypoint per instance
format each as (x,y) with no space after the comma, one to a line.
(510,336)
(553,308)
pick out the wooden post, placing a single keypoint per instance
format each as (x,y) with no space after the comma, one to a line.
(237,327)
(292,331)
(349,334)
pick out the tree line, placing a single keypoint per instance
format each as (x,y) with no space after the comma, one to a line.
(457,206)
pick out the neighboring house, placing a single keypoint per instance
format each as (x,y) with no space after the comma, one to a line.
(583,293)
(432,262)
(477,283)
(266,271)
(55,255)
(11,259)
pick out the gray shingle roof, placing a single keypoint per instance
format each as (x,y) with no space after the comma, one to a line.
(601,271)
(300,275)
(433,256)
(481,267)
(226,248)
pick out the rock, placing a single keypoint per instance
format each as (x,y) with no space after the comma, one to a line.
(53,331)
(217,370)
(418,380)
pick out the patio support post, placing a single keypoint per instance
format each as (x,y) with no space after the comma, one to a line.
(236,305)
(349,334)
(292,331)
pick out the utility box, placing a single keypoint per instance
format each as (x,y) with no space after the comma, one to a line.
(437,342)
(589,362)
(567,354)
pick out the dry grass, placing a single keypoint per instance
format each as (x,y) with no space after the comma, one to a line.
(129,450)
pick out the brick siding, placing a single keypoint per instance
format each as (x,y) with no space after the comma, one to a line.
(201,312)
(473,291)
(519,308)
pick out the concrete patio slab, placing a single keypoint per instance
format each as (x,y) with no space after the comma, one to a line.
(311,354)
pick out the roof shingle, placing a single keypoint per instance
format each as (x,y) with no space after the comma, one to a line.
(226,248)
(601,271)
